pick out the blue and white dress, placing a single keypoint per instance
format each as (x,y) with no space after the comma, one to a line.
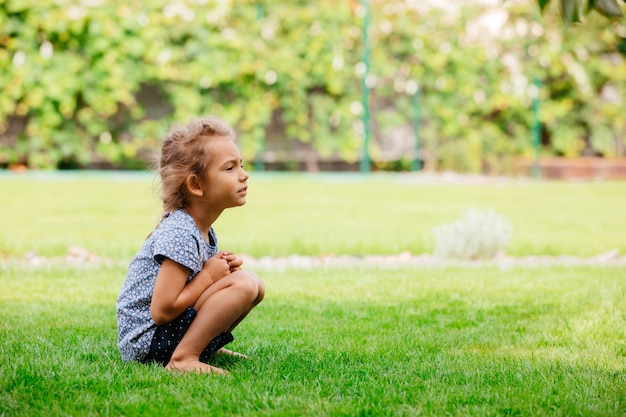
(178,238)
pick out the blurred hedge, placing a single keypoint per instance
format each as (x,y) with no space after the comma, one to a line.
(99,81)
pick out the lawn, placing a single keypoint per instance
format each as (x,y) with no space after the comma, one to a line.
(448,340)
(310,215)
(337,342)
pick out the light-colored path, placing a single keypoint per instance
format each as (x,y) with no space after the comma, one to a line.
(81,256)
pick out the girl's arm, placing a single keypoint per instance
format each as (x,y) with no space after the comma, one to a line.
(171,296)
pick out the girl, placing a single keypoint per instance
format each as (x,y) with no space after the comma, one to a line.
(182,297)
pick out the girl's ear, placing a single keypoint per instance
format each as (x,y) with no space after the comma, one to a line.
(192,183)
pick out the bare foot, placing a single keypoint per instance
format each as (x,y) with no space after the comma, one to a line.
(194,366)
(224,351)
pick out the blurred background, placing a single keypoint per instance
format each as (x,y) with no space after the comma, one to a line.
(489,87)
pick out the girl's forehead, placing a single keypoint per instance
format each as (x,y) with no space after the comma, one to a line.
(223,148)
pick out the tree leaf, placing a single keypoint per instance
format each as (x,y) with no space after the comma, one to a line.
(608,8)
(591,4)
(570,11)
(543,4)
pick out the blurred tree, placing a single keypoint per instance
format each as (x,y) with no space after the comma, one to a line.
(573,10)
(87,83)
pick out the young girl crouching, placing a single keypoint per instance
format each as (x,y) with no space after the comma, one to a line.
(182,297)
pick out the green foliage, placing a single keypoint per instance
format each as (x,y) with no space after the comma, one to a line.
(573,10)
(100,82)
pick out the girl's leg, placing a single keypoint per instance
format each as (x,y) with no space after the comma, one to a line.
(259,298)
(260,294)
(221,307)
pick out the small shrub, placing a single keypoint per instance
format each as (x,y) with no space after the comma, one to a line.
(477,235)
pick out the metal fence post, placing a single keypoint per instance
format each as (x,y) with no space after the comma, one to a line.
(259,162)
(365,165)
(536,127)
(416,163)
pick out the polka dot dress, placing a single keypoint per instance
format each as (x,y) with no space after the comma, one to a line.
(176,238)
(167,337)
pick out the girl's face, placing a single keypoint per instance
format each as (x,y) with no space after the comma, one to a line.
(225,182)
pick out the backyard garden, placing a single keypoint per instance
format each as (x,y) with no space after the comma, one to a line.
(435,203)
(393,337)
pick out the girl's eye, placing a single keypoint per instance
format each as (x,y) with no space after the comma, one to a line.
(230,168)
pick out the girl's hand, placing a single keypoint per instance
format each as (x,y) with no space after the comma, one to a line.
(217,267)
(234,263)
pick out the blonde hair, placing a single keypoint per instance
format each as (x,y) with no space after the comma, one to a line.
(185,152)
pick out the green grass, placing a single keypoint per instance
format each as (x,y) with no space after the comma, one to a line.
(327,341)
(340,342)
(348,214)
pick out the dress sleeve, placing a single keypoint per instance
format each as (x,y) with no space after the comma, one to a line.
(179,246)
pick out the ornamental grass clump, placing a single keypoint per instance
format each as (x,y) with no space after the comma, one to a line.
(476,235)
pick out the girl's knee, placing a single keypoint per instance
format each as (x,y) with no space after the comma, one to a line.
(249,284)
(261,293)
(260,286)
